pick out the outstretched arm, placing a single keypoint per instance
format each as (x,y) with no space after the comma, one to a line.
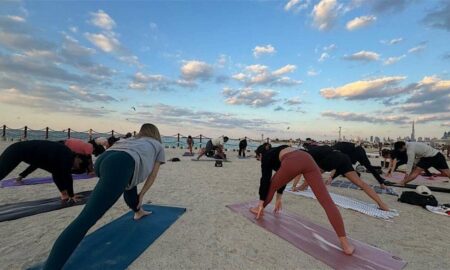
(149,182)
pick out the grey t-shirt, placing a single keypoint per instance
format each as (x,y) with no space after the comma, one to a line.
(145,152)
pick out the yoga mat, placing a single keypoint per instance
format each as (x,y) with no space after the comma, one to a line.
(320,242)
(117,244)
(440,210)
(369,209)
(397,177)
(412,186)
(31,208)
(38,180)
(350,185)
(187,154)
(211,159)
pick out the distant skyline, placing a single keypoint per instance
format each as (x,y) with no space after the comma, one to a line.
(288,69)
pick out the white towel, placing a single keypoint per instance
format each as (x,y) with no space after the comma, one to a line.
(349,203)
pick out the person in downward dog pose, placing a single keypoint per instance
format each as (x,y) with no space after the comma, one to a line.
(289,162)
(120,169)
(358,154)
(54,157)
(428,157)
(214,147)
(337,163)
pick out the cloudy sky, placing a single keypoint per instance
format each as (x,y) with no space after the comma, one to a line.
(295,68)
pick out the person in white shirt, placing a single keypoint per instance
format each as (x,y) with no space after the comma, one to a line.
(214,147)
(427,155)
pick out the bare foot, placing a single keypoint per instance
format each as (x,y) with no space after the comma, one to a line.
(347,248)
(141,213)
(254,210)
(19,179)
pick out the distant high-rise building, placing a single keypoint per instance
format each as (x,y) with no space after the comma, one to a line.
(413,133)
(371,138)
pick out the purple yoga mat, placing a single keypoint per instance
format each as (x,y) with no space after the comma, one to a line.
(39,180)
(319,242)
(397,177)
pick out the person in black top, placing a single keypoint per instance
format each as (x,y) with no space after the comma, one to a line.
(358,154)
(53,157)
(330,160)
(289,162)
(242,147)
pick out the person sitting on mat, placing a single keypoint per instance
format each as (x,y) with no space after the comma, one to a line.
(358,154)
(120,169)
(289,162)
(427,155)
(190,143)
(54,157)
(330,160)
(242,147)
(214,148)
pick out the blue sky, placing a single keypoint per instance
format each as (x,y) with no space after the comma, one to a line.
(283,68)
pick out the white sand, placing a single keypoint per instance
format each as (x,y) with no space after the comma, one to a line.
(210,236)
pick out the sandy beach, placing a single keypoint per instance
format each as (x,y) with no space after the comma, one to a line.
(210,236)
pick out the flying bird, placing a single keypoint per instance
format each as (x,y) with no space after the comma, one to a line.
(288,127)
(133,108)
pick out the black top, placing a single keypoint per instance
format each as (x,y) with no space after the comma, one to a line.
(329,159)
(243,143)
(345,147)
(270,162)
(53,157)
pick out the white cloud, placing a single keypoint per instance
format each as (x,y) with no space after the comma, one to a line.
(324,14)
(262,50)
(102,20)
(293,101)
(393,60)
(329,48)
(194,69)
(363,56)
(375,88)
(261,75)
(16,18)
(324,56)
(417,48)
(312,72)
(107,43)
(369,118)
(73,29)
(296,5)
(248,96)
(360,22)
(392,41)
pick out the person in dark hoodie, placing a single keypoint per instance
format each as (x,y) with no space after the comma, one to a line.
(242,147)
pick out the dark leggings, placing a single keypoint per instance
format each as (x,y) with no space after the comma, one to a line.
(242,151)
(115,169)
(300,162)
(9,160)
(361,156)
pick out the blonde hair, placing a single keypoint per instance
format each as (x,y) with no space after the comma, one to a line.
(149,130)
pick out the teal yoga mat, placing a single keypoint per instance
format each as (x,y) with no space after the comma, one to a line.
(117,244)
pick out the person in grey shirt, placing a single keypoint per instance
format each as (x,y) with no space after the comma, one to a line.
(427,155)
(120,169)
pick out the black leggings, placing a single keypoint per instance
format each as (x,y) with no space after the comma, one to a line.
(360,155)
(242,150)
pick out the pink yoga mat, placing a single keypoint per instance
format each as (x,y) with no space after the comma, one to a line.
(397,177)
(319,242)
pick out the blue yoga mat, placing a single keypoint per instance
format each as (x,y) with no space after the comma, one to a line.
(117,244)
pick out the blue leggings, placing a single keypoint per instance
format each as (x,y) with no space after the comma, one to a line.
(115,169)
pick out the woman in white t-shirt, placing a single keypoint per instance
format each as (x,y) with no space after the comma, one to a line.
(120,169)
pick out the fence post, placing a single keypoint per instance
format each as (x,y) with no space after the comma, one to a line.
(4,132)
(90,134)
(25,132)
(68,133)
(267,139)
(112,133)
(46,133)
(134,133)
(200,140)
(178,140)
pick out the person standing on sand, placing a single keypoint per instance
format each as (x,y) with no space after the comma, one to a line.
(54,157)
(120,169)
(190,143)
(242,147)
(214,147)
(289,162)
(428,157)
(358,154)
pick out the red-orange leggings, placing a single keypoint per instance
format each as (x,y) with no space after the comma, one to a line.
(300,162)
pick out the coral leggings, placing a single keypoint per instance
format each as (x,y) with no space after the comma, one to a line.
(300,162)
